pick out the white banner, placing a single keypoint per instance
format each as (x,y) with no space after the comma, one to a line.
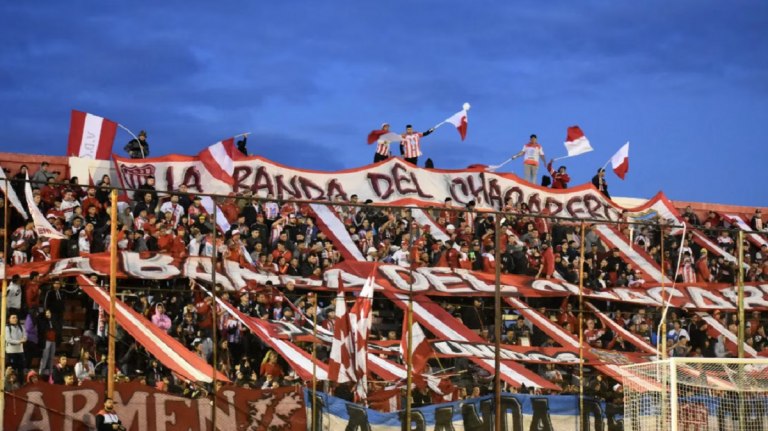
(391,181)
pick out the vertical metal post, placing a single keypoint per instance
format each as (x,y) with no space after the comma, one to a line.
(497,321)
(741,333)
(581,326)
(214,317)
(673,395)
(409,358)
(4,300)
(740,301)
(661,337)
(314,366)
(112,293)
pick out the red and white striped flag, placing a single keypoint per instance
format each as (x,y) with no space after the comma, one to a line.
(575,142)
(219,159)
(420,347)
(90,136)
(459,120)
(210,207)
(620,161)
(341,367)
(360,323)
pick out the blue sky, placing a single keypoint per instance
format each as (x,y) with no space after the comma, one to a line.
(686,82)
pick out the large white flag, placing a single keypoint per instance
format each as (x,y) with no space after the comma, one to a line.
(12,197)
(42,226)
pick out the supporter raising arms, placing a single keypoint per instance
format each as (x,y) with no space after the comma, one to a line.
(410,147)
(532,153)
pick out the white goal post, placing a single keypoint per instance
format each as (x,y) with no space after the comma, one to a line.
(700,394)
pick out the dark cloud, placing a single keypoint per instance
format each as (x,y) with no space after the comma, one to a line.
(310,79)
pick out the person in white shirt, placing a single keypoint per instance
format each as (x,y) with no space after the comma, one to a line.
(14,295)
(84,369)
(68,205)
(400,256)
(532,152)
(174,207)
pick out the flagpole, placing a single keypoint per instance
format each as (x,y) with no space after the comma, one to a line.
(112,293)
(314,366)
(137,140)
(566,157)
(494,167)
(581,328)
(409,358)
(740,296)
(661,336)
(214,317)
(497,322)
(4,312)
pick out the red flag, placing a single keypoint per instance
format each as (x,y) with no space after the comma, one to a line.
(374,135)
(90,136)
(360,323)
(161,345)
(219,159)
(340,364)
(575,142)
(620,161)
(459,120)
(386,135)
(419,346)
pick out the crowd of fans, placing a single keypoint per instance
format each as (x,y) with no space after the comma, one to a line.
(283,238)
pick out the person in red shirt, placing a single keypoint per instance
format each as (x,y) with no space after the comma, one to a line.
(560,178)
(32,291)
(91,201)
(269,366)
(702,267)
(547,266)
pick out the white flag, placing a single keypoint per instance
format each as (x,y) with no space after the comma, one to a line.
(42,226)
(12,197)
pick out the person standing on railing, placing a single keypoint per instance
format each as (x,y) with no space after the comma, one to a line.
(532,152)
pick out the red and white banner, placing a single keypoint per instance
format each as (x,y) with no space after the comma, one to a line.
(330,223)
(575,142)
(389,182)
(43,228)
(438,281)
(90,136)
(446,327)
(168,351)
(299,360)
(42,406)
(620,161)
(738,222)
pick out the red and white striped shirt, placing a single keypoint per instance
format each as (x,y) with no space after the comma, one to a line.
(382,147)
(411,145)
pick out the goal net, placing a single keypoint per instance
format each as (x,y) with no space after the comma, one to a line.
(696,394)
